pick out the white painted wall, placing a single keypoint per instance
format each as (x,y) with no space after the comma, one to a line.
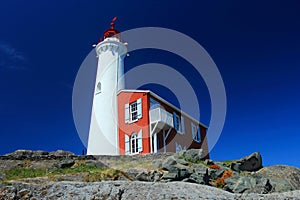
(103,133)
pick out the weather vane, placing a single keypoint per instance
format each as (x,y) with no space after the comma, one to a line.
(112,23)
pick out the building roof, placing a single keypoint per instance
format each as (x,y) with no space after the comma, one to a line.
(164,101)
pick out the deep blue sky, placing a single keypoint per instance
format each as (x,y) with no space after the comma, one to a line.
(256,46)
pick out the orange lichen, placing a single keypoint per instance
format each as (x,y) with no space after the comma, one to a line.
(227,174)
(214,166)
(220,182)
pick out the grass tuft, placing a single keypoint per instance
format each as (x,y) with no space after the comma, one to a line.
(93,173)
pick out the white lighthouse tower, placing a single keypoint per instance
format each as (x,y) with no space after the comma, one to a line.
(103,132)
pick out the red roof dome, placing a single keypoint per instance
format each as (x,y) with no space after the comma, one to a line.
(112,32)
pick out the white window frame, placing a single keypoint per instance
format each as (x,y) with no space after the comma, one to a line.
(182,128)
(196,132)
(178,123)
(134,148)
(135,143)
(133,111)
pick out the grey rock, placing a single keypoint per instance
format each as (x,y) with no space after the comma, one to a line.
(61,153)
(214,173)
(8,192)
(39,153)
(252,162)
(133,190)
(144,177)
(199,167)
(157,163)
(248,184)
(19,154)
(121,177)
(156,175)
(24,194)
(96,163)
(66,163)
(236,166)
(262,186)
(134,172)
(2,177)
(182,162)
(171,176)
(282,178)
(181,171)
(200,177)
(169,161)
(198,174)
(239,184)
(9,164)
(208,162)
(192,155)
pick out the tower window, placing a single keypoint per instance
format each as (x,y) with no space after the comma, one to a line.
(98,88)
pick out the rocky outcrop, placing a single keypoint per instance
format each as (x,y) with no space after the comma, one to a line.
(250,163)
(122,190)
(248,184)
(192,155)
(282,178)
(188,168)
(42,155)
(66,163)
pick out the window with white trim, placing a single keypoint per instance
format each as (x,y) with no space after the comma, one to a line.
(178,123)
(196,132)
(133,111)
(134,143)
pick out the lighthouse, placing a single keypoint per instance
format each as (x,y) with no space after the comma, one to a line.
(103,133)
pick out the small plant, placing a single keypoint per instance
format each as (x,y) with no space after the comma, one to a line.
(214,166)
(6,183)
(98,175)
(27,163)
(21,172)
(91,172)
(194,161)
(227,163)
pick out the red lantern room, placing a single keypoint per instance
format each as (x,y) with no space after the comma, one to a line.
(111,32)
